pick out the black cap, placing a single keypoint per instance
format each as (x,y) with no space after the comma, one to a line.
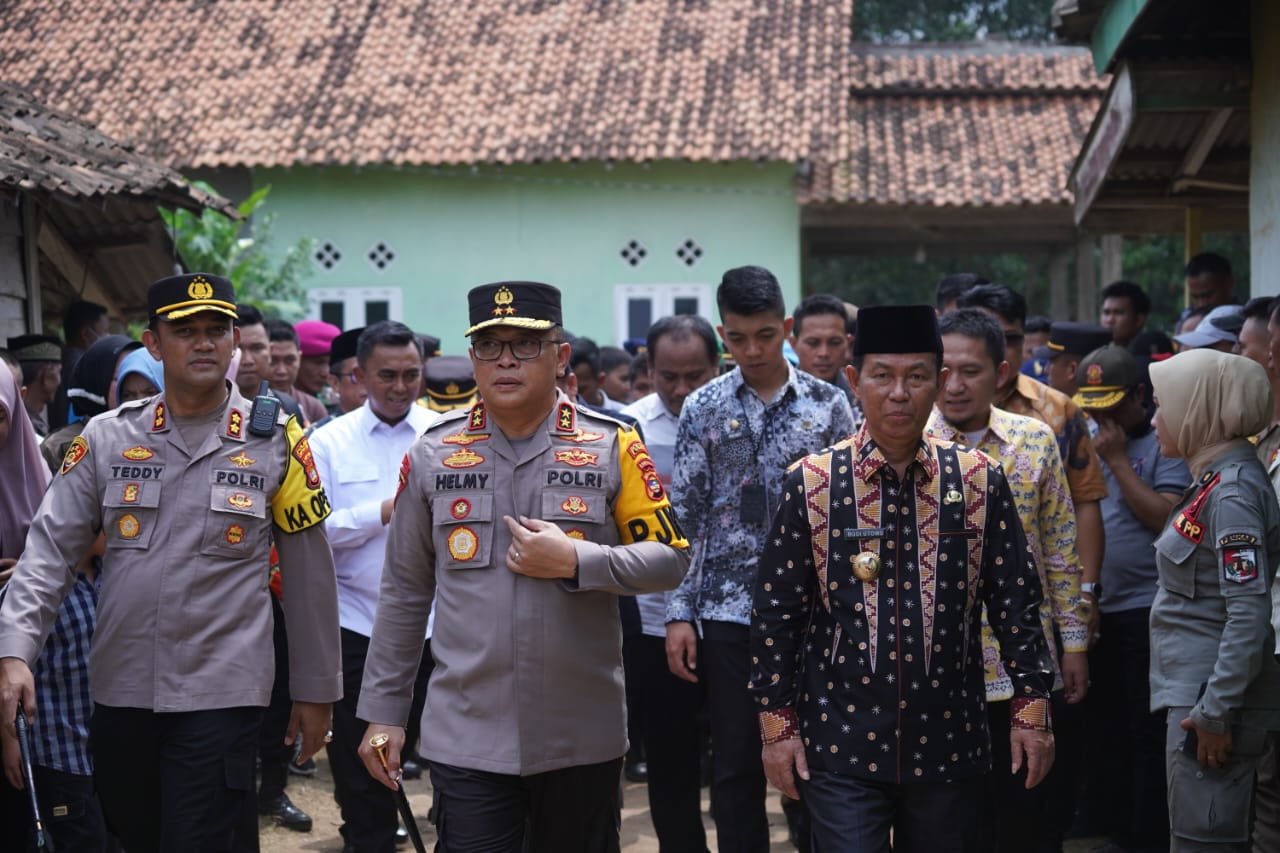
(1068,337)
(181,296)
(1105,376)
(897,329)
(36,348)
(450,383)
(523,304)
(343,346)
(430,345)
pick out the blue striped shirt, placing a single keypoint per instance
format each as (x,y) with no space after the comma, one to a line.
(60,736)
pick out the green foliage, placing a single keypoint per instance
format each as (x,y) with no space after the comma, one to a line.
(214,243)
(951,20)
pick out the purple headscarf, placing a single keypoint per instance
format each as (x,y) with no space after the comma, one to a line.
(24,475)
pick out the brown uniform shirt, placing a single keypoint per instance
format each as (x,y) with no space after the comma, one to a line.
(184,617)
(1034,399)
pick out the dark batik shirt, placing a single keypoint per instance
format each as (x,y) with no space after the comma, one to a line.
(884,679)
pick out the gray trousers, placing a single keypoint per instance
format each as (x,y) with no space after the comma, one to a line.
(1266,800)
(1211,809)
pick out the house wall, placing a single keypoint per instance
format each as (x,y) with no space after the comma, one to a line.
(451,229)
(1264,156)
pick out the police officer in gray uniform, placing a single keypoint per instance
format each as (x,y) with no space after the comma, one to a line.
(1213,663)
(189,488)
(524,518)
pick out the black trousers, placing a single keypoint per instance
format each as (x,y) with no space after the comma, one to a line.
(176,781)
(1014,820)
(273,753)
(69,807)
(572,810)
(853,815)
(737,771)
(672,748)
(1125,790)
(369,817)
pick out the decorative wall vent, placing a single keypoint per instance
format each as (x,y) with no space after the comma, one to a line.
(381,256)
(634,252)
(328,256)
(689,252)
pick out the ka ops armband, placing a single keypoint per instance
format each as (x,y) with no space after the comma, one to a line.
(300,502)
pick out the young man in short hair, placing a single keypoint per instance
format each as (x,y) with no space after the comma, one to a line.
(822,337)
(737,435)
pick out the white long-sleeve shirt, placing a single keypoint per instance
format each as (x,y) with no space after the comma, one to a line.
(358,456)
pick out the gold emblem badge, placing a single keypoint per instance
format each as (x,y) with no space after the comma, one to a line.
(582,436)
(866,566)
(452,389)
(235,534)
(953,496)
(460,509)
(129,526)
(137,454)
(502,302)
(200,288)
(240,460)
(77,450)
(463,458)
(240,500)
(1093,374)
(463,544)
(577,457)
(574,505)
(463,439)
(131,492)
(575,533)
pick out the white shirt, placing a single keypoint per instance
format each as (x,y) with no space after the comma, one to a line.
(358,457)
(659,428)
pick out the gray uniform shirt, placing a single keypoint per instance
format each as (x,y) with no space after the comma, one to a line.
(184,615)
(528,674)
(1211,617)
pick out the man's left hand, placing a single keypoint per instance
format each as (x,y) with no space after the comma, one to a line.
(540,549)
(1212,750)
(1036,747)
(315,720)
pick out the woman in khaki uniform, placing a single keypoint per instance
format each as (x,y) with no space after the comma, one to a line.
(1213,663)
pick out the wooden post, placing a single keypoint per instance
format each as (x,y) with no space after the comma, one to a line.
(1112,258)
(1086,280)
(1193,233)
(1058,300)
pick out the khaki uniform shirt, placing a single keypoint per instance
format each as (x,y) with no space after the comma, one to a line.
(1211,618)
(528,674)
(184,616)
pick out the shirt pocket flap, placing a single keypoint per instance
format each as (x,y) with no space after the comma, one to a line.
(578,506)
(447,509)
(1174,547)
(241,501)
(132,493)
(355,474)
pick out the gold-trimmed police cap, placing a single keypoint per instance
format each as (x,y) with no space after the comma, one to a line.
(449,382)
(523,304)
(181,296)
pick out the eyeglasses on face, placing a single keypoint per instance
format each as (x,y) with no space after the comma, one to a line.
(524,349)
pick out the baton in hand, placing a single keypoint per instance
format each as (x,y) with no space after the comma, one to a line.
(379,744)
(43,841)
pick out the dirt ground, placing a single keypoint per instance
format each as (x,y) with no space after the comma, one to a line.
(314,795)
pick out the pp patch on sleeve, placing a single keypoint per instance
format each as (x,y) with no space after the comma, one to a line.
(1239,565)
(642,510)
(300,501)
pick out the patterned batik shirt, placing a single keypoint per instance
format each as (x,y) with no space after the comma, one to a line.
(882,679)
(733,450)
(1027,452)
(1037,400)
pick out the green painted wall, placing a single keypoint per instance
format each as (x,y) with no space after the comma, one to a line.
(455,228)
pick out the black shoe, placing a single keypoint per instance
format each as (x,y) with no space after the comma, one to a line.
(637,772)
(285,813)
(307,768)
(411,770)
(402,836)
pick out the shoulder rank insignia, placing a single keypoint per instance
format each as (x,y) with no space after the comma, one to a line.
(577,457)
(476,420)
(235,424)
(464,438)
(463,458)
(76,451)
(566,418)
(159,421)
(137,453)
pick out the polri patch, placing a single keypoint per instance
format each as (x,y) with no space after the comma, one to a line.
(1239,565)
(302,452)
(405,468)
(76,451)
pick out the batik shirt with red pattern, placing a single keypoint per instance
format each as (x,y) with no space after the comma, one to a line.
(883,679)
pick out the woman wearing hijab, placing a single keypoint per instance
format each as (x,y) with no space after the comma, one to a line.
(1213,663)
(23,474)
(87,392)
(139,376)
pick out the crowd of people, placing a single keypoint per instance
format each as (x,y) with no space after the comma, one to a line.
(948,575)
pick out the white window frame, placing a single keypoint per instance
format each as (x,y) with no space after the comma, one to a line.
(355,302)
(663,299)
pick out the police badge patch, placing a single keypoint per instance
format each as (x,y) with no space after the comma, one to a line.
(1239,565)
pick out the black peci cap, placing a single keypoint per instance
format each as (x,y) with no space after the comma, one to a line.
(181,296)
(523,304)
(897,329)
(343,346)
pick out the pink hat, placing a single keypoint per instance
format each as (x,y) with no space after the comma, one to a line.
(315,337)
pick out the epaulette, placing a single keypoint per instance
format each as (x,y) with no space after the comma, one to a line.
(132,405)
(447,419)
(610,419)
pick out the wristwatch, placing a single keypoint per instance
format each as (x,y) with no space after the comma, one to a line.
(1093,588)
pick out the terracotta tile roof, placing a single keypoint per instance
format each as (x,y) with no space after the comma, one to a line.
(51,151)
(308,82)
(947,125)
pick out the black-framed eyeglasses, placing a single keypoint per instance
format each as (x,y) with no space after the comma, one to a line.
(524,349)
(350,377)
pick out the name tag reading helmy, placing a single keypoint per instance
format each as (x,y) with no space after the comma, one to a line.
(863,532)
